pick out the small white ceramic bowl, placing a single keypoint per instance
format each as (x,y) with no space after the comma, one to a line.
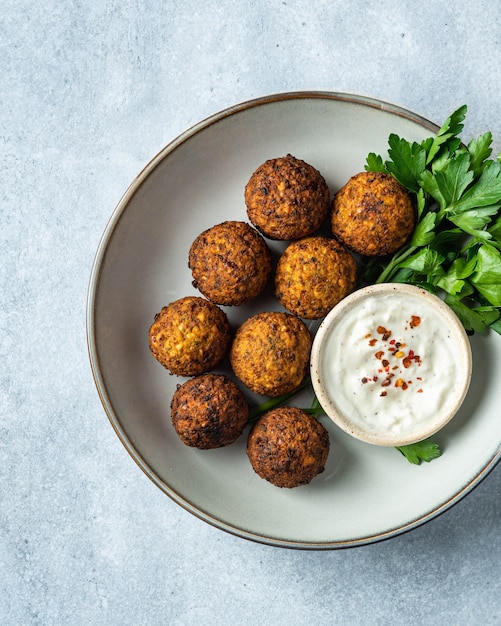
(391,364)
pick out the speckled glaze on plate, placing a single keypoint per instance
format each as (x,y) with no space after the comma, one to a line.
(367,493)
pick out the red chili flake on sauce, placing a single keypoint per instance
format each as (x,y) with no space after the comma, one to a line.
(400,382)
(385,332)
(415,321)
(407,361)
(379,354)
(387,381)
(383,394)
(410,358)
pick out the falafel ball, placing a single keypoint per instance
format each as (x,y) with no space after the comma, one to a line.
(190,336)
(209,411)
(230,263)
(287,198)
(373,214)
(288,447)
(270,353)
(313,275)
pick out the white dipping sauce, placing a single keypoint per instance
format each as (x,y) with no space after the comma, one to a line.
(393,363)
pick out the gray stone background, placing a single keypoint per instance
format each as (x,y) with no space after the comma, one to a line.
(89,93)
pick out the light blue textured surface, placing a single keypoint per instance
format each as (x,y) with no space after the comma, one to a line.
(89,93)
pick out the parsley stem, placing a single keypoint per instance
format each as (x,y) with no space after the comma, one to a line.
(315,403)
(258,410)
(388,271)
(315,409)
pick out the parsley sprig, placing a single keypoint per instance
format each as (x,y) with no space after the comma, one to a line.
(455,248)
(426,450)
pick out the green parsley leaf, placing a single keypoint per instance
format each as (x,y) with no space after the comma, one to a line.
(420,203)
(424,233)
(490,313)
(446,241)
(495,230)
(408,161)
(375,163)
(425,261)
(453,285)
(496,325)
(487,276)
(474,319)
(463,267)
(454,281)
(474,221)
(430,185)
(485,192)
(480,150)
(426,450)
(403,275)
(450,129)
(454,178)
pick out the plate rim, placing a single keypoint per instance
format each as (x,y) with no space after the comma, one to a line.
(92,350)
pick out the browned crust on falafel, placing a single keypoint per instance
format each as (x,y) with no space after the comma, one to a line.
(313,275)
(288,447)
(190,336)
(287,198)
(230,263)
(209,411)
(372,214)
(270,353)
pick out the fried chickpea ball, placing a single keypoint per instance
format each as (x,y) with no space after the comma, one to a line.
(209,411)
(288,447)
(189,336)
(230,263)
(313,275)
(372,214)
(287,198)
(270,353)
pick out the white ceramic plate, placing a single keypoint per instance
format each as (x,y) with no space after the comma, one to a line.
(366,493)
